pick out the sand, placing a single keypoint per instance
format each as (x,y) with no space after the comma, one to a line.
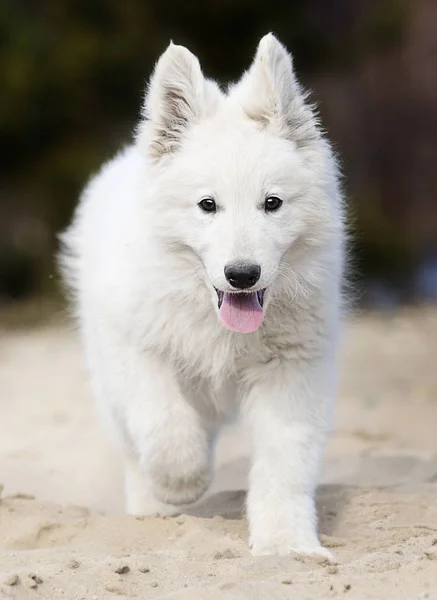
(63,535)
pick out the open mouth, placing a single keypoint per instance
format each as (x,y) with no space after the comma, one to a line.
(241,311)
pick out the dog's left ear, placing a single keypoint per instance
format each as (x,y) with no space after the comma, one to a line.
(271,95)
(177,97)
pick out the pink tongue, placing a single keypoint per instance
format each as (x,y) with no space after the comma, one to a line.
(241,312)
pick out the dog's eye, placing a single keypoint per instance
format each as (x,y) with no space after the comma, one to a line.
(208,205)
(272,203)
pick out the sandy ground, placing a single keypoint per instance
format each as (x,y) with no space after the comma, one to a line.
(62,534)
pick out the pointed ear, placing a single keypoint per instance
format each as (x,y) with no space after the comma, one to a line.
(271,95)
(175,99)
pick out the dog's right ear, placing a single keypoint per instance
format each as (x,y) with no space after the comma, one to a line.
(175,99)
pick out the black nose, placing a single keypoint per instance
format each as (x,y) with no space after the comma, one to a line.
(242,275)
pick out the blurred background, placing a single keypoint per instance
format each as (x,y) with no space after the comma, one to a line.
(72,80)
(72,76)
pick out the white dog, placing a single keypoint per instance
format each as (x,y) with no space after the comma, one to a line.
(206,263)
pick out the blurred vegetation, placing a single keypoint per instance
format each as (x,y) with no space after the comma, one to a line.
(72,76)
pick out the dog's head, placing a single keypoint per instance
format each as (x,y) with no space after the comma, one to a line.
(245,178)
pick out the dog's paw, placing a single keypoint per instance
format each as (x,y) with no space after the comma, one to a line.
(317,552)
(179,468)
(283,540)
(179,489)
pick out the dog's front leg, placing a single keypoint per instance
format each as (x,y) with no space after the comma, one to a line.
(171,442)
(287,405)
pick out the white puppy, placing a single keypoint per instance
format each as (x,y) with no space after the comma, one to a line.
(206,263)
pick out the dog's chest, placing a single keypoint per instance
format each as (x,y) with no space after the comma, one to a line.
(191,336)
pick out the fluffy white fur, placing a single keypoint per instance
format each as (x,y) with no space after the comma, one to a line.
(142,260)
